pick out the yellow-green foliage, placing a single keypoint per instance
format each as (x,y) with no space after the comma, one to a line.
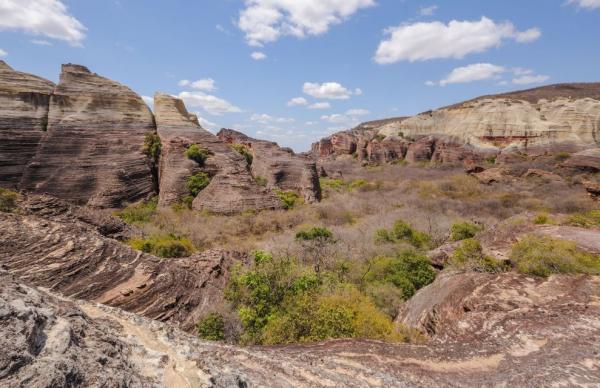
(140,212)
(340,185)
(8,200)
(541,219)
(289,198)
(464,230)
(164,245)
(152,146)
(261,181)
(211,327)
(470,256)
(562,156)
(403,232)
(244,151)
(585,220)
(197,182)
(459,187)
(544,256)
(197,154)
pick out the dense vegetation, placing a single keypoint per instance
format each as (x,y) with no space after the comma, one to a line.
(197,182)
(8,200)
(139,212)
(152,146)
(197,154)
(168,245)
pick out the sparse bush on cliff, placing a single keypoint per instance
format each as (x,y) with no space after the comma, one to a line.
(211,327)
(470,256)
(197,154)
(464,230)
(140,212)
(244,151)
(403,232)
(261,181)
(544,256)
(167,246)
(289,198)
(152,146)
(8,200)
(197,182)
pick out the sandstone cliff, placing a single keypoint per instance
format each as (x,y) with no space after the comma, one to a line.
(232,188)
(92,150)
(24,103)
(281,167)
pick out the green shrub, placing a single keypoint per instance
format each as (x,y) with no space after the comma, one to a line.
(585,220)
(562,156)
(314,233)
(244,151)
(139,213)
(288,198)
(261,181)
(403,232)
(464,230)
(541,219)
(8,200)
(164,245)
(197,154)
(340,185)
(333,184)
(470,256)
(211,327)
(197,182)
(544,256)
(152,146)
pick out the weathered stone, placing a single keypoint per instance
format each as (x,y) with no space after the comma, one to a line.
(281,167)
(387,150)
(92,151)
(24,103)
(543,174)
(421,150)
(492,175)
(587,160)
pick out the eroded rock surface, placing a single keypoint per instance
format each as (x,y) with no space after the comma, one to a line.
(92,150)
(24,104)
(281,167)
(586,160)
(232,188)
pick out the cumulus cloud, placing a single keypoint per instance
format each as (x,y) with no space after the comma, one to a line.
(258,56)
(183,83)
(436,40)
(297,101)
(350,118)
(265,21)
(320,105)
(428,11)
(530,79)
(586,4)
(474,72)
(211,104)
(49,18)
(40,42)
(358,112)
(267,119)
(206,124)
(329,90)
(3,53)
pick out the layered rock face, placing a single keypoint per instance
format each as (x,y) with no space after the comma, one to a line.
(232,188)
(64,248)
(24,104)
(281,167)
(92,150)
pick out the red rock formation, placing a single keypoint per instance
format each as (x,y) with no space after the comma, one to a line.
(92,151)
(281,167)
(24,103)
(421,150)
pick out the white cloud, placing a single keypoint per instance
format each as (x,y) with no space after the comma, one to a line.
(3,53)
(435,40)
(297,101)
(206,84)
(320,105)
(258,56)
(335,118)
(329,90)
(358,112)
(148,100)
(430,83)
(206,124)
(474,72)
(41,17)
(349,119)
(265,21)
(41,42)
(428,11)
(183,82)
(267,119)
(211,104)
(586,4)
(530,79)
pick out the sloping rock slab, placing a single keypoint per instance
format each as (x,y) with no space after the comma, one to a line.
(587,160)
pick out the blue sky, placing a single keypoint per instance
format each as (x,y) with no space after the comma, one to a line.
(294,71)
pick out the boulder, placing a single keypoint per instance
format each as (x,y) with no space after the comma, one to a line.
(492,175)
(24,104)
(586,160)
(92,150)
(421,150)
(281,167)
(542,174)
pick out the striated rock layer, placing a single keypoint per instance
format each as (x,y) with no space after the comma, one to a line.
(281,167)
(92,150)
(232,188)
(24,104)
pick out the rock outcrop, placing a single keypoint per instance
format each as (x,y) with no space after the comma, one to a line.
(62,251)
(586,160)
(232,188)
(91,152)
(281,167)
(24,104)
